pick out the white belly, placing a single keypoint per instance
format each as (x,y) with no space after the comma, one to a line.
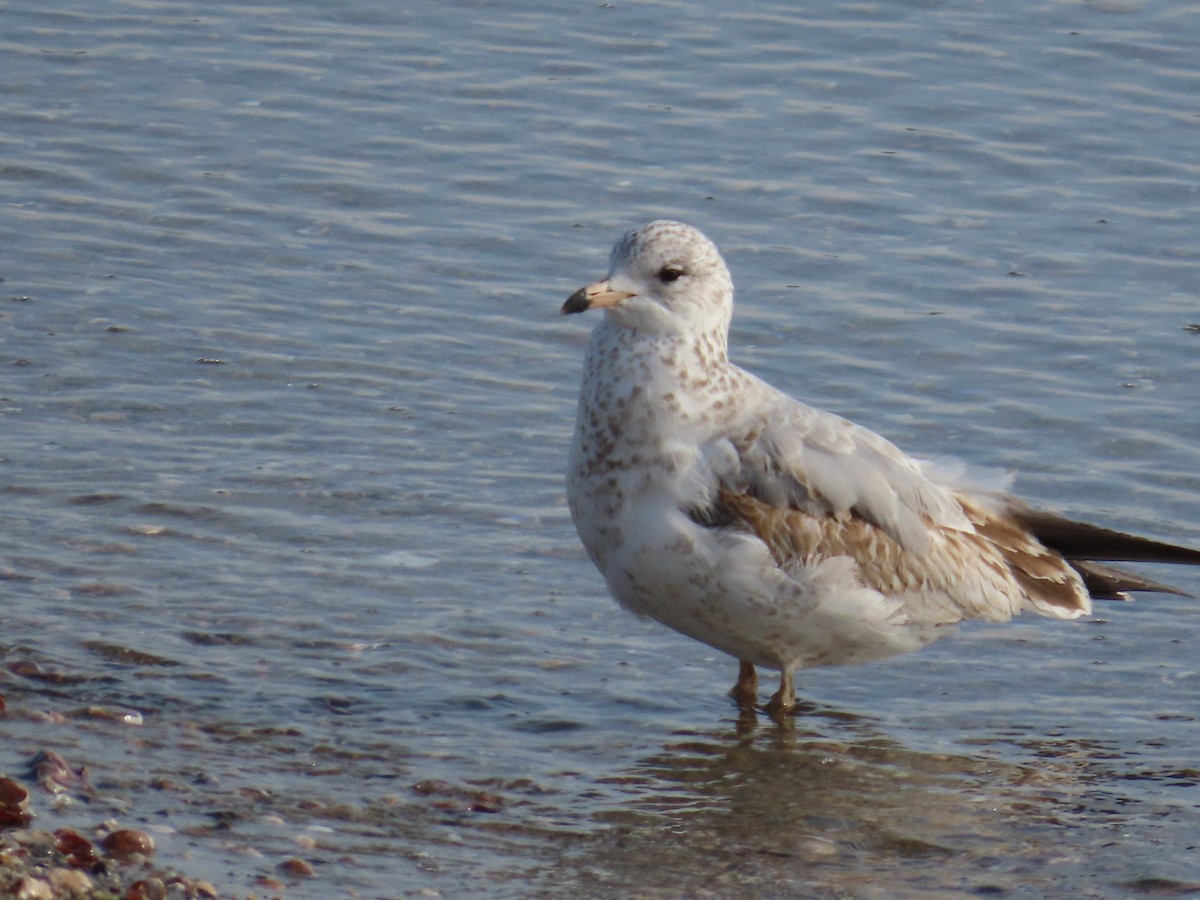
(723,588)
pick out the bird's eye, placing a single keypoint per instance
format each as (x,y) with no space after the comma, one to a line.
(667,274)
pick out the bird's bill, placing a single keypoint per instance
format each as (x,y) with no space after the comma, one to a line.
(598,293)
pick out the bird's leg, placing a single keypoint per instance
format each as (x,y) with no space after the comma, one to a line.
(783,701)
(745,692)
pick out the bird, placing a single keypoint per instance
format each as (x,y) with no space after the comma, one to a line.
(783,535)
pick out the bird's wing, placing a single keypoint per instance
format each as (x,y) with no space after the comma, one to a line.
(813,485)
(792,456)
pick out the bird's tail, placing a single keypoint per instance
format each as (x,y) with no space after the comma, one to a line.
(1082,545)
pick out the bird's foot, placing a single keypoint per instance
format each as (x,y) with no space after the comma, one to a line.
(783,702)
(745,691)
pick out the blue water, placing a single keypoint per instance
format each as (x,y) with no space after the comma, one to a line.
(286,403)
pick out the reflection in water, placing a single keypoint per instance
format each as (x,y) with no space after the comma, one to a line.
(830,807)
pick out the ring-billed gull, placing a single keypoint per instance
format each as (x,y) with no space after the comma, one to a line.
(783,535)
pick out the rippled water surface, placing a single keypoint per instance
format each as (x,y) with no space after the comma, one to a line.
(286,402)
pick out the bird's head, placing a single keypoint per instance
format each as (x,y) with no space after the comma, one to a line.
(663,278)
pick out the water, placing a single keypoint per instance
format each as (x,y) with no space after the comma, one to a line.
(286,403)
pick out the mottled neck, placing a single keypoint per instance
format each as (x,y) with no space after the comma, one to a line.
(641,391)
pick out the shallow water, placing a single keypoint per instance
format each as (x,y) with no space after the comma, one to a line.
(286,402)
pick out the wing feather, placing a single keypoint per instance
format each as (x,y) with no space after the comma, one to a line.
(802,458)
(945,541)
(991,572)
(814,486)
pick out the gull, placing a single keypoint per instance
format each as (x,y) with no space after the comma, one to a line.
(783,535)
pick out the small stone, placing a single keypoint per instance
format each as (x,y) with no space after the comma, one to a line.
(816,849)
(76,848)
(486,802)
(297,868)
(55,774)
(52,716)
(30,888)
(14,804)
(117,714)
(68,882)
(128,841)
(147,889)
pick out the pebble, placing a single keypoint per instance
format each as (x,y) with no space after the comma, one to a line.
(125,842)
(14,804)
(147,889)
(53,717)
(297,868)
(30,888)
(78,850)
(55,774)
(69,882)
(116,714)
(816,849)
